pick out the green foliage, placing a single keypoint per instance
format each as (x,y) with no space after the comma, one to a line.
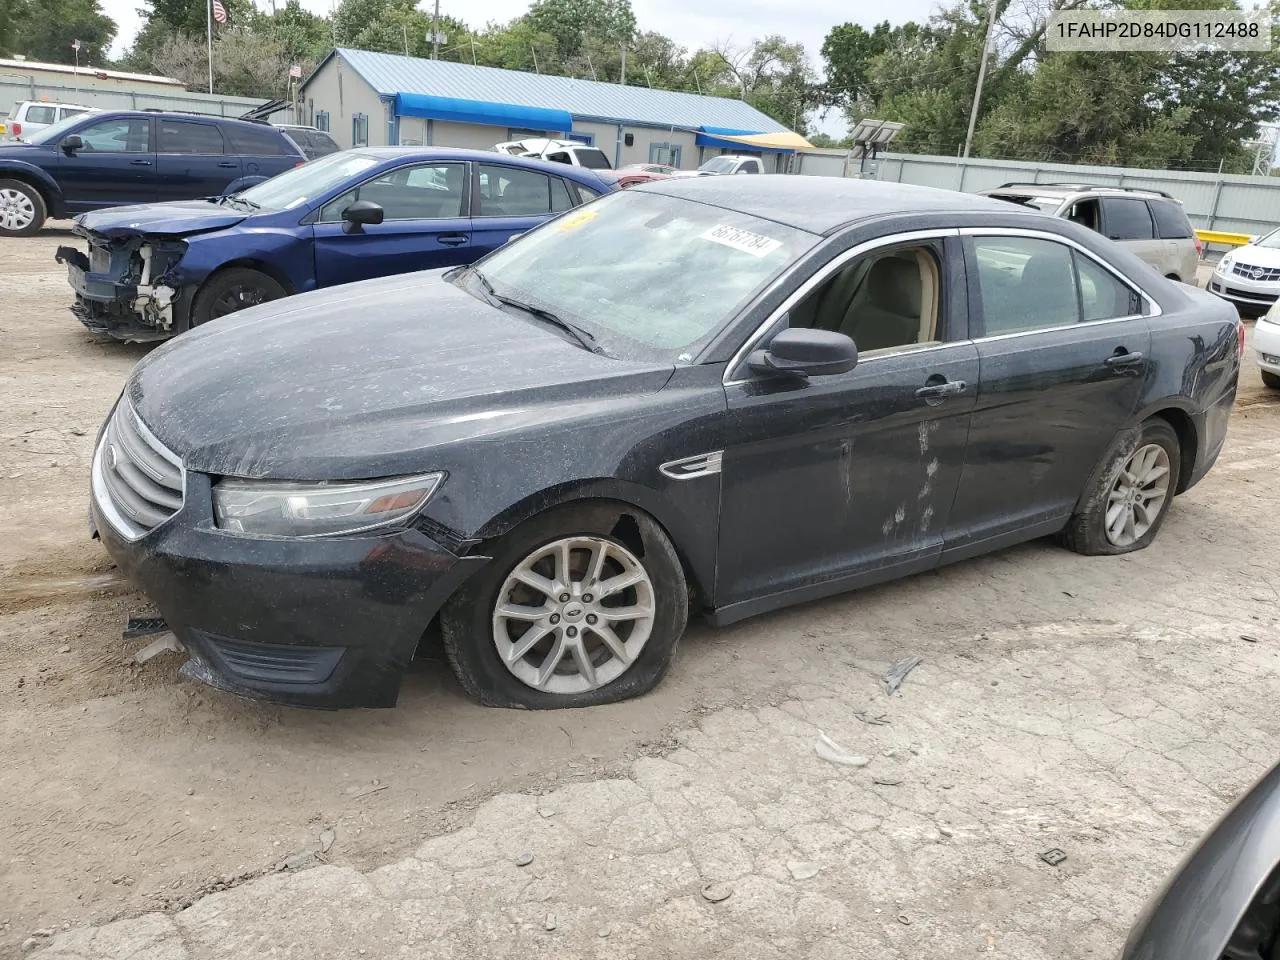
(43,30)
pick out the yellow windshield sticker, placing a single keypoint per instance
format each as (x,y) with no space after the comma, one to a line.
(571,221)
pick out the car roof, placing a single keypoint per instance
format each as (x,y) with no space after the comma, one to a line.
(819,204)
(478,156)
(183,115)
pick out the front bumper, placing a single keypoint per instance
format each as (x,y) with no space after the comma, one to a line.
(329,622)
(1266,345)
(1244,292)
(121,308)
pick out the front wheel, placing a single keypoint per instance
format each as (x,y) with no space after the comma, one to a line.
(22,209)
(1129,492)
(580,606)
(233,290)
(1270,379)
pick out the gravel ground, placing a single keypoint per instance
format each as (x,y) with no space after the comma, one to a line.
(1111,708)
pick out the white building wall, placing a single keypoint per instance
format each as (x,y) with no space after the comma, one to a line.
(606,138)
(340,91)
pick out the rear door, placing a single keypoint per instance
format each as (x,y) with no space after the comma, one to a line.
(116,165)
(1178,238)
(1063,347)
(510,200)
(424,225)
(263,150)
(191,160)
(1128,221)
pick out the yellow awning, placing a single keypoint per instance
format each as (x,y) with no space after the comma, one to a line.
(771,141)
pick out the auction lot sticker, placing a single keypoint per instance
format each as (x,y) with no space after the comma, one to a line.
(744,241)
(1169,31)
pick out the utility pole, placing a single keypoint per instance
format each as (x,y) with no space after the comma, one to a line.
(623,81)
(535,58)
(473,51)
(208,12)
(647,78)
(591,67)
(435,33)
(982,75)
(404,29)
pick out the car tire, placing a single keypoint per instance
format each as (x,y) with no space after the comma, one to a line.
(1271,380)
(22,209)
(480,642)
(1116,514)
(238,285)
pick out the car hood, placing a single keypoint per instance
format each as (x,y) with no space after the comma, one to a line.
(1258,256)
(357,381)
(170,219)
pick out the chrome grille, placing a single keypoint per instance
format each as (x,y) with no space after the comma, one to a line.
(1247,270)
(137,482)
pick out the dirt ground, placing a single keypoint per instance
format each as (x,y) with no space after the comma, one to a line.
(125,790)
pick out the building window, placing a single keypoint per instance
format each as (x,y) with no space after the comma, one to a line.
(668,153)
(322,120)
(359,130)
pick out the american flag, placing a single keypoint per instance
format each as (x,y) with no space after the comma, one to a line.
(219,12)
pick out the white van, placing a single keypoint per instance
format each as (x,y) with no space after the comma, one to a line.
(32,115)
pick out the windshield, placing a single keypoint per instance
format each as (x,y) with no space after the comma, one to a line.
(593,159)
(308,182)
(1271,240)
(55,131)
(718,165)
(648,276)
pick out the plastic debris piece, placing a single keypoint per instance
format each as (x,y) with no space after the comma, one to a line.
(898,672)
(904,920)
(717,892)
(832,752)
(886,782)
(327,836)
(144,627)
(524,859)
(550,922)
(162,643)
(802,869)
(1053,857)
(1248,639)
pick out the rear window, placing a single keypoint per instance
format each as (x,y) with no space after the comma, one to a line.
(1171,221)
(185,136)
(1126,219)
(313,143)
(256,141)
(592,159)
(37,113)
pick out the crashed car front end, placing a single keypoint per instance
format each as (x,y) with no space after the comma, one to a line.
(126,284)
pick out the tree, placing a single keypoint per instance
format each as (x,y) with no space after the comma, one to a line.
(574,23)
(44,29)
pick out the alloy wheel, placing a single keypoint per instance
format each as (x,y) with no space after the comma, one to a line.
(1138,495)
(17,210)
(573,615)
(239,297)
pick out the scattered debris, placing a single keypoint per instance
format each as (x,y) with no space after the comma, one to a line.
(604,931)
(144,627)
(904,920)
(898,672)
(877,721)
(162,643)
(1068,593)
(802,869)
(327,836)
(946,831)
(832,752)
(885,782)
(1248,639)
(717,892)
(550,922)
(1053,857)
(380,787)
(524,859)
(65,648)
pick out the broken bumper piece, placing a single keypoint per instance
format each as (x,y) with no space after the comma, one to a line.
(114,295)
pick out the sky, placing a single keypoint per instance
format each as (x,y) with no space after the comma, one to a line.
(691,23)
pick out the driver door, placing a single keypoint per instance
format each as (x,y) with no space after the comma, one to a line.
(116,165)
(424,225)
(839,481)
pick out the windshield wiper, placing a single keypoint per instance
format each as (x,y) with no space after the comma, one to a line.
(585,339)
(234,198)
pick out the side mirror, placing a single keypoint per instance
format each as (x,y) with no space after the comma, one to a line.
(802,352)
(359,214)
(70,144)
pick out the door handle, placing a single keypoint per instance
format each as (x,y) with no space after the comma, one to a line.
(228,165)
(948,388)
(452,239)
(1123,359)
(141,163)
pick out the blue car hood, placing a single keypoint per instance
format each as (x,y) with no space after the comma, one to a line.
(168,219)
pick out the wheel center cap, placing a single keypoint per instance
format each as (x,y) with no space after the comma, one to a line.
(573,612)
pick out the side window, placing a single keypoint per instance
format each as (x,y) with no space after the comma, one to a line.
(1026,284)
(1171,221)
(427,192)
(560,156)
(65,112)
(750,166)
(123,135)
(359,130)
(256,140)
(183,136)
(1102,296)
(1126,219)
(511,192)
(322,120)
(1085,213)
(884,300)
(560,199)
(586,193)
(39,113)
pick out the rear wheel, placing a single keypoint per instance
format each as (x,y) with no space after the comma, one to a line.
(22,209)
(1272,380)
(580,606)
(1129,493)
(231,291)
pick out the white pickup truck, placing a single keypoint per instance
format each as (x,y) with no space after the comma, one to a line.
(557,151)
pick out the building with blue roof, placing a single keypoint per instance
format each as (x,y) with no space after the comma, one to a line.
(380,99)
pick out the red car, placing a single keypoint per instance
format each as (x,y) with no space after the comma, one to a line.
(630,176)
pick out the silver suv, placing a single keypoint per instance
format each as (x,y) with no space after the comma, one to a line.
(1150,223)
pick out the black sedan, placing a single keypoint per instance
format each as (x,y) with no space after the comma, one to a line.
(707,395)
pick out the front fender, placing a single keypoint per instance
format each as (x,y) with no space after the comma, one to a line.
(278,252)
(33,174)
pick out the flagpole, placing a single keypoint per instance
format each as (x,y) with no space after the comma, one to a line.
(208,12)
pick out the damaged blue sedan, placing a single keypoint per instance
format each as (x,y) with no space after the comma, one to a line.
(154,270)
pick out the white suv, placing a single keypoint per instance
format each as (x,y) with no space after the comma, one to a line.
(1149,223)
(1249,277)
(557,151)
(32,115)
(1266,343)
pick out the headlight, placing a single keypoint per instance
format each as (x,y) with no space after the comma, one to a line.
(1225,263)
(262,508)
